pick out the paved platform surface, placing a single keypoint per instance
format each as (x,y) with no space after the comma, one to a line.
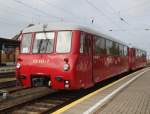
(133,99)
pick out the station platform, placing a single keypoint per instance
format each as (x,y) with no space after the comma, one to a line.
(128,95)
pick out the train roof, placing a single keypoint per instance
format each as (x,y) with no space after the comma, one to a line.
(68,26)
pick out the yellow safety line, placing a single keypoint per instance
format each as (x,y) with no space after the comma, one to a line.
(87,96)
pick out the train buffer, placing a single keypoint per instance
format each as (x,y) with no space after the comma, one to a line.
(129,95)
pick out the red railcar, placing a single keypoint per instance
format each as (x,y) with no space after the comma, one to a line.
(67,56)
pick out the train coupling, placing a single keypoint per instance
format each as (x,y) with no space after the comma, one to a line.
(38,81)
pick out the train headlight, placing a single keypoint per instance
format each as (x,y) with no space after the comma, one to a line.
(67,85)
(18,65)
(66,67)
(66,82)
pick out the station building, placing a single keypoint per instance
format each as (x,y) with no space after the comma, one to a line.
(9,49)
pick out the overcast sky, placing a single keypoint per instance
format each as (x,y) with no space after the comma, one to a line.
(126,20)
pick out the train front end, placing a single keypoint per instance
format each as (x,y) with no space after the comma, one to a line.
(47,58)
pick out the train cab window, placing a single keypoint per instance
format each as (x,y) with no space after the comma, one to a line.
(63,42)
(125,50)
(26,43)
(100,45)
(108,47)
(43,42)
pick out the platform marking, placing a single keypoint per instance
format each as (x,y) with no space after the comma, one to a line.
(63,109)
(106,99)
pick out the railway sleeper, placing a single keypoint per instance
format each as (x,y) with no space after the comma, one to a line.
(53,101)
(43,104)
(25,112)
(35,108)
(61,98)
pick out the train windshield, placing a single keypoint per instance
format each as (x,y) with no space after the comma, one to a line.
(63,42)
(43,42)
(26,43)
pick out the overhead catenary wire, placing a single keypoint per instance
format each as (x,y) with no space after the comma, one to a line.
(27,16)
(20,12)
(37,10)
(113,22)
(136,6)
(103,14)
(100,12)
(60,8)
(121,18)
(118,15)
(134,29)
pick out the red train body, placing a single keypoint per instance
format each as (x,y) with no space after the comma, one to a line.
(72,57)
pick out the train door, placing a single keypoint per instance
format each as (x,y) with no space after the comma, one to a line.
(89,46)
(132,55)
(86,58)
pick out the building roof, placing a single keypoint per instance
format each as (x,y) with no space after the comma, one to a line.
(8,41)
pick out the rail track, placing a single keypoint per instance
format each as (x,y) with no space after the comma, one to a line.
(43,100)
(13,89)
(7,75)
(7,82)
(22,97)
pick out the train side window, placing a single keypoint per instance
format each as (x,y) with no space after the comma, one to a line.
(142,54)
(145,54)
(136,52)
(121,50)
(125,51)
(84,43)
(139,53)
(82,38)
(99,45)
(115,48)
(108,47)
